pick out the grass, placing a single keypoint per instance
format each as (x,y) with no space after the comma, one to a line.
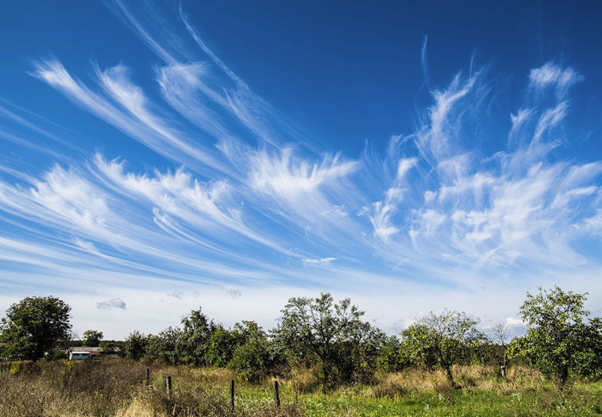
(118,388)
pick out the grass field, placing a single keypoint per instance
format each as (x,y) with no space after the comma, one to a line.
(118,388)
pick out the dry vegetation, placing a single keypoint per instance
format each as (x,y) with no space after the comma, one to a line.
(118,388)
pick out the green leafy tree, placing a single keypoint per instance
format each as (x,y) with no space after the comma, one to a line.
(417,346)
(221,346)
(589,358)
(35,326)
(134,346)
(253,359)
(389,356)
(192,345)
(162,347)
(333,336)
(556,331)
(92,338)
(442,339)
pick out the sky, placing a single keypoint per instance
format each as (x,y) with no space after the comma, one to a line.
(160,157)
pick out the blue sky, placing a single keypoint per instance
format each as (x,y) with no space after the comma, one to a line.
(158,157)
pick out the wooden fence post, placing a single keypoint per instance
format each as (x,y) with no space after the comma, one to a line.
(232,395)
(147,377)
(168,384)
(276,395)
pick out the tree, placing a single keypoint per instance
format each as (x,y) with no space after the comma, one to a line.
(135,346)
(92,337)
(389,356)
(193,342)
(221,346)
(589,358)
(556,331)
(252,359)
(331,335)
(417,346)
(162,347)
(35,326)
(442,339)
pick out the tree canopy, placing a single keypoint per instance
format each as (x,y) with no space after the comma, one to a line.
(34,326)
(556,332)
(331,333)
(441,339)
(92,337)
(194,338)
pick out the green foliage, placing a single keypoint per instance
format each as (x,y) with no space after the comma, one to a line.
(194,338)
(162,347)
(35,326)
(256,357)
(221,346)
(557,337)
(389,356)
(442,339)
(418,346)
(111,347)
(92,338)
(251,361)
(588,363)
(332,335)
(135,346)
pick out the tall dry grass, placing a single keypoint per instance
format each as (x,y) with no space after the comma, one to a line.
(412,381)
(119,388)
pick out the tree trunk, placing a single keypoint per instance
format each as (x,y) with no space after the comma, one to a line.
(564,375)
(450,377)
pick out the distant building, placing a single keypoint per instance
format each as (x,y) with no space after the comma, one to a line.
(85,352)
(79,356)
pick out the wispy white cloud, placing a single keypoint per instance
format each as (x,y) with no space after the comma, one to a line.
(292,178)
(554,76)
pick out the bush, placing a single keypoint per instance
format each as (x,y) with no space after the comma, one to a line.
(251,361)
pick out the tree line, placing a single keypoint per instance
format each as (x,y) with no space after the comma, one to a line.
(331,340)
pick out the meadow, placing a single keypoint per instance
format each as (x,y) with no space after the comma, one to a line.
(120,388)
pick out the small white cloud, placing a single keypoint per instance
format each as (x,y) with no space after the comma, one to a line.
(323,261)
(403,323)
(176,294)
(112,303)
(231,290)
(515,326)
